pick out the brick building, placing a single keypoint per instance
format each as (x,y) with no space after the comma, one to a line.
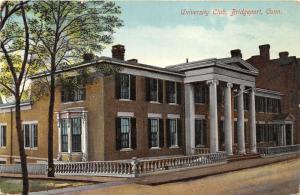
(224,104)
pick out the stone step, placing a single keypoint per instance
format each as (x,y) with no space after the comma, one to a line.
(242,157)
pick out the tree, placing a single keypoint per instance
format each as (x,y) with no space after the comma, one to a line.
(66,30)
(14,42)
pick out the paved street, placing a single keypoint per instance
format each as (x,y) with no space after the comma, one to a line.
(280,178)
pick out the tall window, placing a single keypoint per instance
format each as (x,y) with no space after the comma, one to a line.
(71,92)
(171,92)
(200,93)
(200,132)
(154,90)
(154,132)
(268,105)
(30,135)
(76,134)
(125,132)
(64,135)
(125,86)
(2,135)
(221,133)
(173,132)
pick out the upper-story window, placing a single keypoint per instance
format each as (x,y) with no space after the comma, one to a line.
(267,105)
(30,135)
(2,135)
(73,90)
(154,90)
(200,93)
(125,87)
(173,92)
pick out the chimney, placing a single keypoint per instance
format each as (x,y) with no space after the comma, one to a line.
(283,54)
(88,57)
(236,53)
(133,60)
(118,51)
(264,51)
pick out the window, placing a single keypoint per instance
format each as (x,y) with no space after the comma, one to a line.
(125,86)
(173,132)
(200,132)
(154,132)
(171,92)
(2,135)
(71,92)
(30,135)
(126,133)
(154,90)
(220,95)
(268,105)
(200,92)
(76,134)
(64,135)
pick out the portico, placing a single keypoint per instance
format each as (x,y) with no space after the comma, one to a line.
(234,77)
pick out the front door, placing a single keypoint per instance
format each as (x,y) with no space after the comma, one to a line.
(288,129)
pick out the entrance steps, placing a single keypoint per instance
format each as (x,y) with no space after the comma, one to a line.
(238,157)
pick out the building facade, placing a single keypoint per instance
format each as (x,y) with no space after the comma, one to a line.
(145,111)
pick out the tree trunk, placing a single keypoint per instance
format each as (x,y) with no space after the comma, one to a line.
(21,144)
(51,170)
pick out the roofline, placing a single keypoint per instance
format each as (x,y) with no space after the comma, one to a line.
(12,105)
(154,69)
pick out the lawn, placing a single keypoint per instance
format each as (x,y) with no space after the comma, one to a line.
(14,186)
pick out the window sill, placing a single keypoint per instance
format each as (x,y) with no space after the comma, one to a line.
(3,147)
(126,150)
(173,104)
(174,147)
(154,102)
(125,100)
(155,148)
(80,101)
(31,148)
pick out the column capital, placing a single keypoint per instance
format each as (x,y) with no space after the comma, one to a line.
(253,89)
(229,85)
(212,81)
(242,87)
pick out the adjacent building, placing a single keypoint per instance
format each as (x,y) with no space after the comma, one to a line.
(227,104)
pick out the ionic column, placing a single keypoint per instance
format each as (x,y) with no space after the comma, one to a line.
(59,136)
(228,119)
(213,115)
(84,137)
(240,121)
(69,136)
(252,120)
(189,118)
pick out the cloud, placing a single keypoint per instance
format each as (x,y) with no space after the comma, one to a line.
(172,45)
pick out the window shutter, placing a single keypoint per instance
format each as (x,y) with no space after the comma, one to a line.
(132,87)
(179,132)
(197,132)
(133,133)
(117,86)
(160,91)
(149,133)
(147,81)
(118,133)
(168,133)
(179,87)
(204,132)
(167,92)
(4,135)
(161,133)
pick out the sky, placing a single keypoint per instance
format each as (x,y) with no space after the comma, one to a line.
(159,33)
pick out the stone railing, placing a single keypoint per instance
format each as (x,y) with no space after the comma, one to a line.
(35,169)
(136,167)
(201,150)
(266,151)
(96,168)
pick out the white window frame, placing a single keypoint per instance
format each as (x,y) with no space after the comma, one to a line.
(31,134)
(129,92)
(1,134)
(158,125)
(176,130)
(129,132)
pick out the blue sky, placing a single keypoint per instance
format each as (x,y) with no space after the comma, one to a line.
(156,33)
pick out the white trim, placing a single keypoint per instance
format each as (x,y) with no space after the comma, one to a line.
(3,159)
(29,122)
(173,116)
(154,115)
(3,124)
(197,116)
(125,114)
